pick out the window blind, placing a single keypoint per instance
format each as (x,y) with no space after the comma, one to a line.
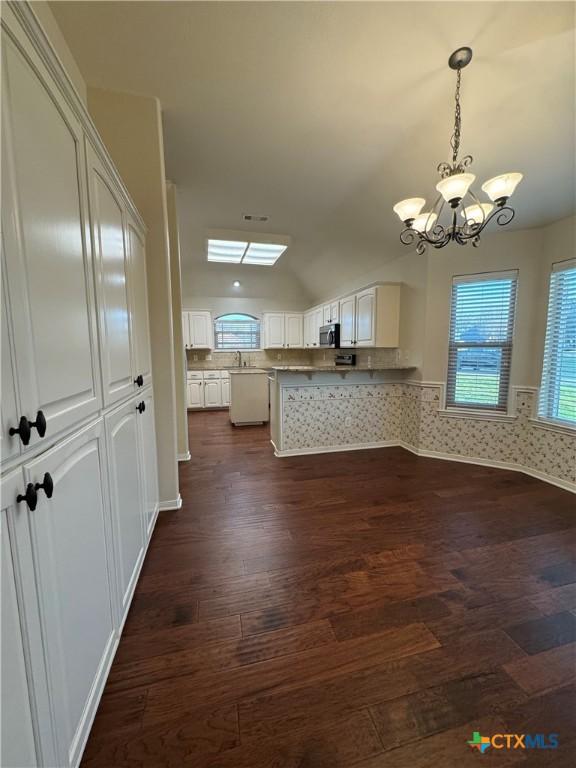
(558,386)
(236,332)
(480,344)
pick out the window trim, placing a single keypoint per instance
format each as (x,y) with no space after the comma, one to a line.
(547,419)
(228,350)
(501,410)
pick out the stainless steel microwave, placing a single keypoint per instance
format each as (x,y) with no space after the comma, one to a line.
(330,335)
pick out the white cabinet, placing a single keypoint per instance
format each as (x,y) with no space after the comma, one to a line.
(48,263)
(112,274)
(330,313)
(197,330)
(212,393)
(122,434)
(195,393)
(347,321)
(316,322)
(9,444)
(365,318)
(225,391)
(17,735)
(140,323)
(371,318)
(294,329)
(274,330)
(149,460)
(70,543)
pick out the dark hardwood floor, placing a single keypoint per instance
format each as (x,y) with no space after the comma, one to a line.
(368,609)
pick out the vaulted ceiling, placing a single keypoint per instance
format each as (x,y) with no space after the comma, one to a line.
(323,114)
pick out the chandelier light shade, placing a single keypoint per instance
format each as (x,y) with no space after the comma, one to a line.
(456,193)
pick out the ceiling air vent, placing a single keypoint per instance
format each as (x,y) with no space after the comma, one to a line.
(254,217)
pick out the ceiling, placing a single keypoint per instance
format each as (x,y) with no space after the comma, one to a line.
(322,115)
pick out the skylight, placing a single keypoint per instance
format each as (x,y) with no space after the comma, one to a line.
(245,252)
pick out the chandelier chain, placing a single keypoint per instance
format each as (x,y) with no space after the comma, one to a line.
(455,139)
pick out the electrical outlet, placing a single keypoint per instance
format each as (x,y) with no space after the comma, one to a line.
(348,421)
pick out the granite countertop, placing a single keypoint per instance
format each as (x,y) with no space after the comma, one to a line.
(338,368)
(244,371)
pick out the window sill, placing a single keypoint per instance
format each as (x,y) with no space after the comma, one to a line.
(470,413)
(553,425)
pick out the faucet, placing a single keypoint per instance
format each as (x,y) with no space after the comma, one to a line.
(238,356)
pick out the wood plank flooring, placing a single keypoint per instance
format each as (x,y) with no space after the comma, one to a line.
(368,609)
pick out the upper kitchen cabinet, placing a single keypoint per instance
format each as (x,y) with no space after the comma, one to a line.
(10,445)
(283,329)
(140,323)
(112,273)
(197,330)
(46,254)
(371,318)
(330,313)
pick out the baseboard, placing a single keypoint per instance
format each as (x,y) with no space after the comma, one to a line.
(166,506)
(564,484)
(335,449)
(184,456)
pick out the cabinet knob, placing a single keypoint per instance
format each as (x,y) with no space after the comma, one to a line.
(30,497)
(47,485)
(141,407)
(139,380)
(40,424)
(24,429)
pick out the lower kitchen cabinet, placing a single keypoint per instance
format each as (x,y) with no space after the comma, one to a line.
(212,393)
(195,394)
(63,540)
(226,391)
(208,389)
(123,432)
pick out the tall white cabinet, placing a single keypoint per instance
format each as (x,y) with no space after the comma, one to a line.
(79,467)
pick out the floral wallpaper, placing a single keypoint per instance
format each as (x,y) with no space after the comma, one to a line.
(410,413)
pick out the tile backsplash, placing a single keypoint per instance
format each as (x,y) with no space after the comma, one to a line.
(268,357)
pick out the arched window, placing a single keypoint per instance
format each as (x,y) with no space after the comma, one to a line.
(236,331)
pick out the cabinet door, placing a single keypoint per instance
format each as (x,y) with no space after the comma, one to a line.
(186,329)
(347,321)
(9,444)
(122,432)
(48,263)
(274,331)
(18,745)
(334,313)
(294,331)
(111,268)
(149,461)
(70,535)
(225,391)
(195,391)
(200,330)
(212,393)
(326,316)
(315,325)
(140,324)
(365,318)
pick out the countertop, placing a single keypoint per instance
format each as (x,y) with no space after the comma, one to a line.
(338,368)
(244,371)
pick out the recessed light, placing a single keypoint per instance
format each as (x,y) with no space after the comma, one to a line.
(236,283)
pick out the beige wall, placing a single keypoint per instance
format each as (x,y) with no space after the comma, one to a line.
(46,18)
(131,128)
(179,354)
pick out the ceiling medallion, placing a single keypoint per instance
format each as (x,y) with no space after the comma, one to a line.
(467,216)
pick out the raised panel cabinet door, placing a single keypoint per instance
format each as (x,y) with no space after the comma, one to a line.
(225,391)
(317,322)
(294,330)
(347,321)
(334,313)
(48,261)
(200,330)
(186,329)
(195,391)
(9,412)
(326,316)
(365,318)
(149,461)
(212,393)
(140,324)
(73,563)
(111,268)
(17,744)
(274,330)
(124,459)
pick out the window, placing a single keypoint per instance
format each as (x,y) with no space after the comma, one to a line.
(480,348)
(558,388)
(237,331)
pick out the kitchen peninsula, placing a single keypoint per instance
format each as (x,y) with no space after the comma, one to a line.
(316,409)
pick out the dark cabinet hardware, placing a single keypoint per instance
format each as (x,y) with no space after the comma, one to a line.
(23,429)
(141,407)
(40,423)
(30,497)
(139,380)
(47,485)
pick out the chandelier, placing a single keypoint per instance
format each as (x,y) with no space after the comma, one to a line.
(466,217)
